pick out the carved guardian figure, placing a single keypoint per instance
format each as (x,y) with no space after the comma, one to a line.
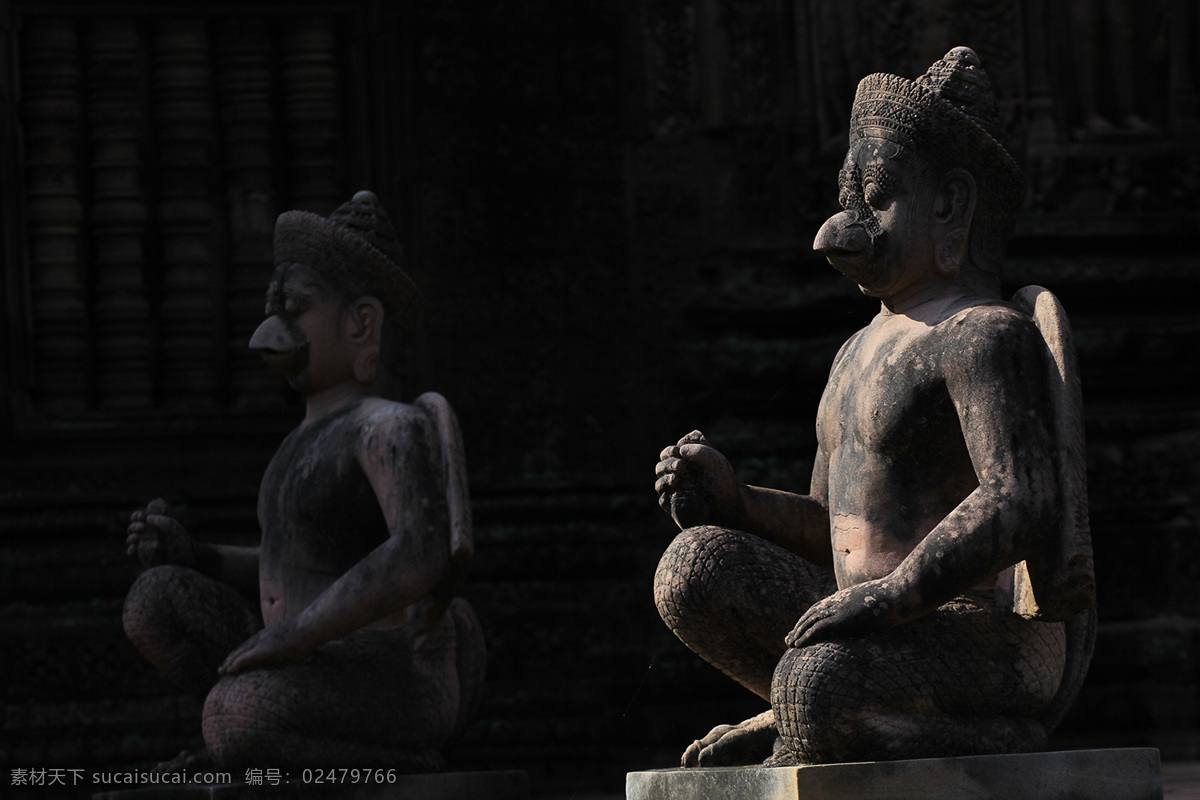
(338,641)
(932,594)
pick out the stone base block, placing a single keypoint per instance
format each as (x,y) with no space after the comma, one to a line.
(484,785)
(1115,774)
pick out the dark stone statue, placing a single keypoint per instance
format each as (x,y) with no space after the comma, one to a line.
(338,641)
(932,594)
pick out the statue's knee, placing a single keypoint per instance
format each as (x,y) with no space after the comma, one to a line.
(817,693)
(148,605)
(240,720)
(687,573)
(224,728)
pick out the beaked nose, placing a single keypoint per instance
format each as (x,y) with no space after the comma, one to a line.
(842,233)
(274,342)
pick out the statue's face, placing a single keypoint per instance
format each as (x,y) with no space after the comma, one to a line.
(302,335)
(881,237)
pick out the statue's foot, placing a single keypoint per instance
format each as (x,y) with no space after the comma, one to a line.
(783,757)
(187,761)
(747,742)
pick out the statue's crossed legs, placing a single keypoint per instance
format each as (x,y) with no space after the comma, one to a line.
(969,678)
(373,697)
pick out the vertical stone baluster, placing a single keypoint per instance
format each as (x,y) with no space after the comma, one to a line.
(51,111)
(1184,112)
(311,113)
(182,79)
(244,91)
(124,349)
(1042,126)
(758,76)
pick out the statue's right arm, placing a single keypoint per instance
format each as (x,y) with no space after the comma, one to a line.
(232,565)
(697,486)
(155,537)
(796,522)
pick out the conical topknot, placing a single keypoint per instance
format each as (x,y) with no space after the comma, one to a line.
(959,79)
(355,249)
(364,216)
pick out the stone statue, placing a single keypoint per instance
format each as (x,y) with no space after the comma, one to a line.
(932,594)
(338,641)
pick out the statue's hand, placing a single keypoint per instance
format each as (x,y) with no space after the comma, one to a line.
(696,484)
(155,537)
(847,612)
(272,645)
(749,742)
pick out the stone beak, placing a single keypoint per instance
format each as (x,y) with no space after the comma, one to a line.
(275,343)
(842,234)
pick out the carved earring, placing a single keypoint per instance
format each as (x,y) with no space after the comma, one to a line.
(949,263)
(366,366)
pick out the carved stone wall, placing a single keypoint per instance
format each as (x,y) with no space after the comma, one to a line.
(610,208)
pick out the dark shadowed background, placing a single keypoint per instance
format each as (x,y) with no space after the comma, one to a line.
(609,206)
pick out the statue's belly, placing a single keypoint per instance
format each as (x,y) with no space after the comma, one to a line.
(864,550)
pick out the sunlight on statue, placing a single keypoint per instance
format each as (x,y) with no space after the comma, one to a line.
(338,641)
(932,594)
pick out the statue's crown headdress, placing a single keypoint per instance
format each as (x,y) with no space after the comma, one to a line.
(355,245)
(950,115)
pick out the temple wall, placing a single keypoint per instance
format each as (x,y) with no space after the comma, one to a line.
(609,207)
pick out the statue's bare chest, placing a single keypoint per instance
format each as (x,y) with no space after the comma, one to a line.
(317,508)
(884,392)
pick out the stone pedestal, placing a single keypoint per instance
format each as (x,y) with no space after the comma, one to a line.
(1117,774)
(489,785)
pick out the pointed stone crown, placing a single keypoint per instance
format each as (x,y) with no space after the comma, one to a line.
(950,116)
(355,249)
(959,78)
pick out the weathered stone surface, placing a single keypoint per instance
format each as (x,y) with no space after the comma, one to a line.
(481,785)
(1116,774)
(932,595)
(338,640)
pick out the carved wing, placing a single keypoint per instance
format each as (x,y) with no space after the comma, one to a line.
(458,498)
(1059,584)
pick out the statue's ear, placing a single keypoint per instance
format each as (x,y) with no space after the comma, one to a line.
(953,210)
(364,320)
(364,327)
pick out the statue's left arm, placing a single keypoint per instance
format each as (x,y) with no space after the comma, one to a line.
(995,374)
(397,453)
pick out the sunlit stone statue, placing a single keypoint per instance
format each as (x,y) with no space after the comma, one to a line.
(339,640)
(932,593)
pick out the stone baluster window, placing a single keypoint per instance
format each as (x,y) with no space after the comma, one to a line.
(154,153)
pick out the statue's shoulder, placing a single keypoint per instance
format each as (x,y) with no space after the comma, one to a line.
(848,348)
(987,314)
(378,419)
(986,341)
(990,324)
(374,408)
